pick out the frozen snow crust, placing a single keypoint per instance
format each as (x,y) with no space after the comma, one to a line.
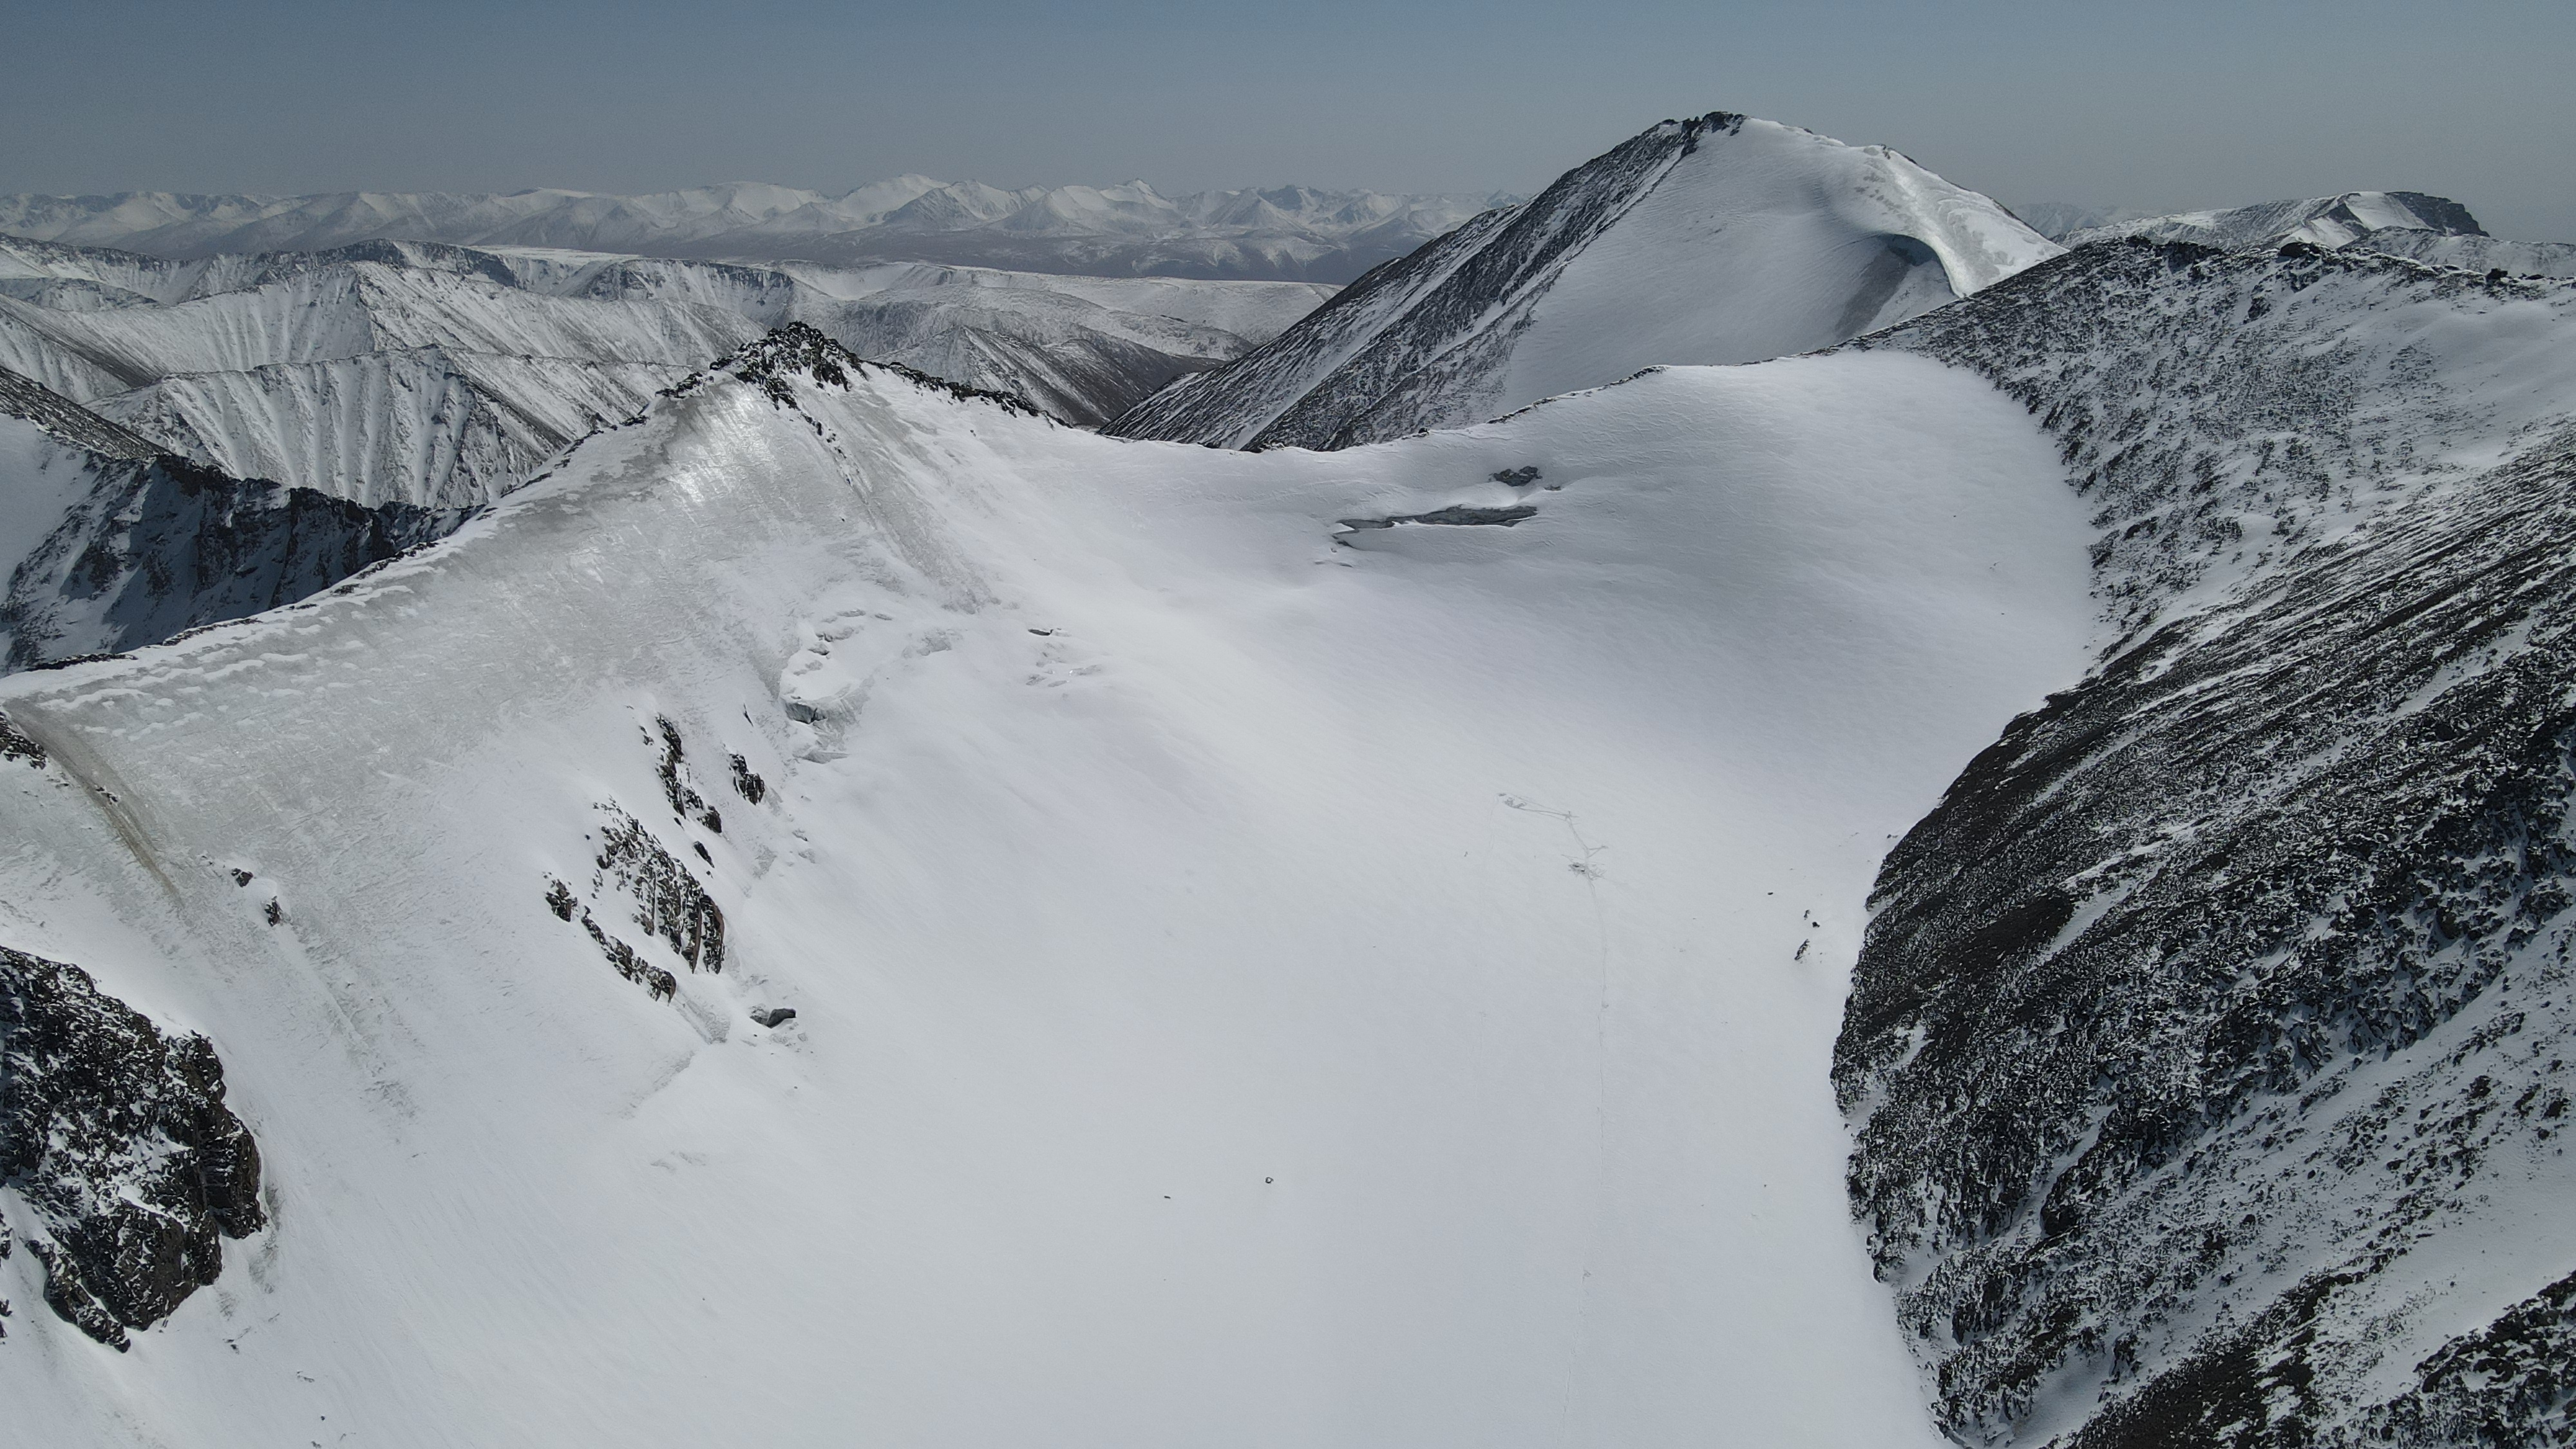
(1260,978)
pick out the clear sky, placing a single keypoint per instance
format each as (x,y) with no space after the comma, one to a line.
(2155,105)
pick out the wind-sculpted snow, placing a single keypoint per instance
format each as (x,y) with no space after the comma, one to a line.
(1291,233)
(1194,970)
(2208,1043)
(1716,239)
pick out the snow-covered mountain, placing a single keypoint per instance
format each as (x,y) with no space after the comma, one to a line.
(2400,223)
(1291,233)
(1712,240)
(109,543)
(440,375)
(1229,1007)
(2327,221)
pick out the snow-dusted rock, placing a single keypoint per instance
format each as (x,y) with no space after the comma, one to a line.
(2209,1044)
(115,1141)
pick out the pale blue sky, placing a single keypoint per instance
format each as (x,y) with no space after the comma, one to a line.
(2161,106)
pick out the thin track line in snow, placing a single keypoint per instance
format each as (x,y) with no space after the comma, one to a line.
(1582,864)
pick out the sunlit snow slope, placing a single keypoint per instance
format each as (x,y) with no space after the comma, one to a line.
(1263,979)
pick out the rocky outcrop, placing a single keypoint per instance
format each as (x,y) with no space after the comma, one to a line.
(115,1136)
(2227,996)
(160,546)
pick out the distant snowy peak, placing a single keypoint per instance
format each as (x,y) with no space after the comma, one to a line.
(1718,239)
(2328,221)
(1291,233)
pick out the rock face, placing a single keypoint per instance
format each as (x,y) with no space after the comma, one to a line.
(163,546)
(115,1136)
(2209,1047)
(110,544)
(1709,240)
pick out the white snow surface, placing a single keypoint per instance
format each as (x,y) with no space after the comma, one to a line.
(1765,243)
(1254,989)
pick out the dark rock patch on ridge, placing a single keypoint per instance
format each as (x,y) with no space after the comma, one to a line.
(114,1134)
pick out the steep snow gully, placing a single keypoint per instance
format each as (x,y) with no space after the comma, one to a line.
(1259,979)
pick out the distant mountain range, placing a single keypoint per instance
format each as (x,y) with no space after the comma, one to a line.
(1288,233)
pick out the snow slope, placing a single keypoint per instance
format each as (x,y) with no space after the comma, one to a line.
(1268,972)
(1290,233)
(1718,239)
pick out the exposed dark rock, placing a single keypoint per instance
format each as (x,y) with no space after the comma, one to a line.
(669,902)
(774,1015)
(115,1135)
(747,784)
(685,800)
(800,348)
(164,545)
(1458,516)
(661,985)
(17,744)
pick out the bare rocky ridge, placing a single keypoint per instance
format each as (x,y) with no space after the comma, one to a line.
(115,1137)
(2220,1015)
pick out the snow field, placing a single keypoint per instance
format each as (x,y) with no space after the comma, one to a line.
(1253,988)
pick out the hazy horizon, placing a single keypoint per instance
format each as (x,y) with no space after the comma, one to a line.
(2186,107)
